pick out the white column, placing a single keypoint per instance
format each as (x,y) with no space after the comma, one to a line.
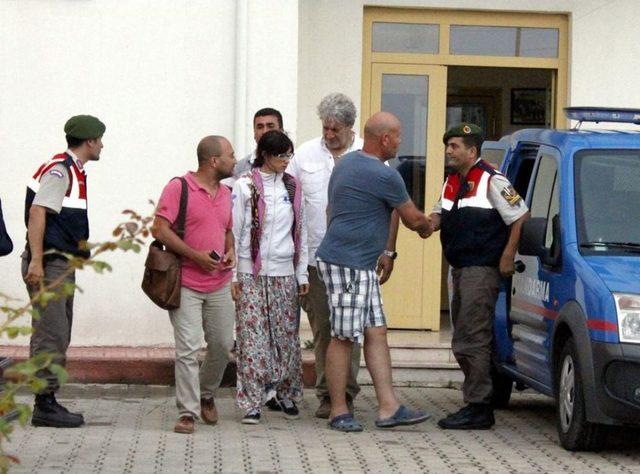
(240,103)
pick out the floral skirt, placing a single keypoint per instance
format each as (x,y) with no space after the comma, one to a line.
(268,355)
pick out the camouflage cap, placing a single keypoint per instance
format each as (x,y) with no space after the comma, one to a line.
(84,127)
(462,130)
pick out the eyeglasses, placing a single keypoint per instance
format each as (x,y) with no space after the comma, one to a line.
(284,156)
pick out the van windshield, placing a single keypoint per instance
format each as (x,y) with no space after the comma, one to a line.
(607,184)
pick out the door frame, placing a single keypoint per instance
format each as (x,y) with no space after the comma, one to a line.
(446,18)
(397,62)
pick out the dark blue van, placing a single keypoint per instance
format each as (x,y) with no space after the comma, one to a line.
(568,323)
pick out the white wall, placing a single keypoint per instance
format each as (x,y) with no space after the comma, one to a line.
(272,66)
(161,75)
(606,48)
(604,45)
(330,58)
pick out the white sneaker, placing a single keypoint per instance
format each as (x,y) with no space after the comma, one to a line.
(251,418)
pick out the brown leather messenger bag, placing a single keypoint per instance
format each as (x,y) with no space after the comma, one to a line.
(162,275)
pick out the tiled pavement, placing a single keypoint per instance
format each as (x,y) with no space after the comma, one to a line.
(129,429)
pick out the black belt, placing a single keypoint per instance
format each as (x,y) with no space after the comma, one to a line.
(51,257)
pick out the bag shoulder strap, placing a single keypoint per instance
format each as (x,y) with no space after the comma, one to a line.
(6,245)
(182,212)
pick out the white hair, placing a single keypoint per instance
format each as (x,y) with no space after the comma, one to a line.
(338,107)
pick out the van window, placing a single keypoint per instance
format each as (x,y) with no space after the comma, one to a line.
(493,156)
(545,200)
(543,187)
(554,209)
(607,184)
(521,166)
(525,170)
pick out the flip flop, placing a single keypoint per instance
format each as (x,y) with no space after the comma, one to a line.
(403,417)
(345,423)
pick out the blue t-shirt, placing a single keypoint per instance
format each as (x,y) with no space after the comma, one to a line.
(362,194)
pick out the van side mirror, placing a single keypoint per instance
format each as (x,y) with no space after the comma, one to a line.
(532,240)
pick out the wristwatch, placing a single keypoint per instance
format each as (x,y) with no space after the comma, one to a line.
(391,254)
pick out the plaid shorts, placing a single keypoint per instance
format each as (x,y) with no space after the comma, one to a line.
(354,300)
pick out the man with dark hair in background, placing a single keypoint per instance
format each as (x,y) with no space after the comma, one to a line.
(57,222)
(207,251)
(264,120)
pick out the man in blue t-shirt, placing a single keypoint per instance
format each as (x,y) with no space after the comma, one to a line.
(362,194)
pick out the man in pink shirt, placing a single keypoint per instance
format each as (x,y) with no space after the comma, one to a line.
(205,298)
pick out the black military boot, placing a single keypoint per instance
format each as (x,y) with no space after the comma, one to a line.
(48,412)
(475,416)
(79,415)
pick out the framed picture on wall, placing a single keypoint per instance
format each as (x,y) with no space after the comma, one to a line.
(528,106)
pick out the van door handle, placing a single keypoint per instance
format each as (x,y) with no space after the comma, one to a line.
(519,266)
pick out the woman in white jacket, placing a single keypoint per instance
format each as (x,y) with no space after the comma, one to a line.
(271,249)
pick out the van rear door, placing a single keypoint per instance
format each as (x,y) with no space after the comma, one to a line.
(518,168)
(533,306)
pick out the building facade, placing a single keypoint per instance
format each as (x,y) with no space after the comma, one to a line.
(164,73)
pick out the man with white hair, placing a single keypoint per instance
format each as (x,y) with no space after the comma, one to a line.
(312,164)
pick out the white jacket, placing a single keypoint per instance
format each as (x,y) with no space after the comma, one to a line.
(276,245)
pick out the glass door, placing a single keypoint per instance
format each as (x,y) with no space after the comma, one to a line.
(417,95)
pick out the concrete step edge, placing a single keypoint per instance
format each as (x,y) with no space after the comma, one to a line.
(426,345)
(156,366)
(421,365)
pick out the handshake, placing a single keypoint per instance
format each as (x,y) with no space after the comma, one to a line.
(429,225)
(417,221)
(426,228)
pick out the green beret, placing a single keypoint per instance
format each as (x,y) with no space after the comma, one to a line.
(462,130)
(84,127)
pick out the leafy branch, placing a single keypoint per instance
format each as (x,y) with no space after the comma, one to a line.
(128,236)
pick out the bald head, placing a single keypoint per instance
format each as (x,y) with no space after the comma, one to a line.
(382,135)
(379,124)
(208,147)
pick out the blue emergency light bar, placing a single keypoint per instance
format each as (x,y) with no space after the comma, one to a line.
(603,114)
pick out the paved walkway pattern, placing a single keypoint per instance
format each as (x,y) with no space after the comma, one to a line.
(129,430)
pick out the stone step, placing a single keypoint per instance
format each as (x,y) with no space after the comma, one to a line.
(426,376)
(407,344)
(137,365)
(396,341)
(416,358)
(429,354)
(435,367)
(425,364)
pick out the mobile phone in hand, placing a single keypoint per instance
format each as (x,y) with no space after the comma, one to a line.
(215,255)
